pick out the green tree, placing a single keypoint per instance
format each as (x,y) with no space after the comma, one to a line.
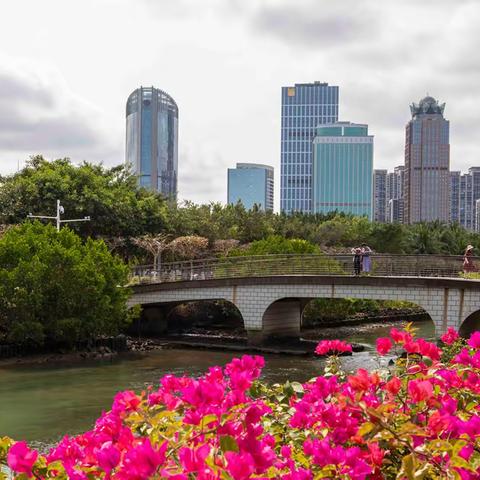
(55,288)
(111,197)
(276,244)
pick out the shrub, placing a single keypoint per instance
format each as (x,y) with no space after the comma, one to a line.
(418,420)
(55,288)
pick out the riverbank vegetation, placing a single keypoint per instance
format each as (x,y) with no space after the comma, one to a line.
(56,289)
(417,419)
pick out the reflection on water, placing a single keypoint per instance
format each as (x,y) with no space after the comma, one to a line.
(41,403)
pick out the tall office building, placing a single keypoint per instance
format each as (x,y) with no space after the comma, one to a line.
(251,184)
(152,139)
(343,169)
(380,195)
(455,197)
(466,201)
(427,164)
(477,215)
(304,107)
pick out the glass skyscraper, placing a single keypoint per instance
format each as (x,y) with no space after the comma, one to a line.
(152,139)
(304,107)
(251,184)
(427,164)
(343,169)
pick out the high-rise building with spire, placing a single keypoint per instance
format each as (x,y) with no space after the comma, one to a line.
(427,164)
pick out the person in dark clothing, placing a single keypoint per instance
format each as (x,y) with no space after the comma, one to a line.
(357,260)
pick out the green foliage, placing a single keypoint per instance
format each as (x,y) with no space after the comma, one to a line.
(324,310)
(274,245)
(111,198)
(54,288)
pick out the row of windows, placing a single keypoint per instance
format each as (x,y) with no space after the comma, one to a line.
(309,94)
(309,110)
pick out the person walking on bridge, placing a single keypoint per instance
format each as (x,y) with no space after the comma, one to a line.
(357,260)
(468,265)
(366,260)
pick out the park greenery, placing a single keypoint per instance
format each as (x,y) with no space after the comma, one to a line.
(418,418)
(121,212)
(56,289)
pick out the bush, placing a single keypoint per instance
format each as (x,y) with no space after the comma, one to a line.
(56,289)
(418,420)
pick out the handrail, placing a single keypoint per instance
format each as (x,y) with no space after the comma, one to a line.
(447,266)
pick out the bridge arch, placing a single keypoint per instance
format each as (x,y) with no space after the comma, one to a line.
(470,325)
(448,301)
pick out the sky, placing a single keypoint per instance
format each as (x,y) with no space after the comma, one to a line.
(68,66)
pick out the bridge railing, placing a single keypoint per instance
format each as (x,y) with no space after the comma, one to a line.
(307,264)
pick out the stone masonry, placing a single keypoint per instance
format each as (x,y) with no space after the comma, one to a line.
(273,305)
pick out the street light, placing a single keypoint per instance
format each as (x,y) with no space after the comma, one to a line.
(57,218)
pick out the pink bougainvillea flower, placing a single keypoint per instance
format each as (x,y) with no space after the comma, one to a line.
(108,457)
(450,336)
(474,340)
(400,336)
(21,459)
(384,345)
(393,386)
(240,465)
(424,348)
(332,347)
(141,461)
(420,390)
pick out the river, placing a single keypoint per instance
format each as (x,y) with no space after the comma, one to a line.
(40,403)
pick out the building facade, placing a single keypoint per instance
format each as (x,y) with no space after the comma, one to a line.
(251,184)
(427,164)
(304,107)
(343,169)
(455,197)
(380,195)
(152,139)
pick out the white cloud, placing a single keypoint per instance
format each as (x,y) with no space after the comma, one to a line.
(40,114)
(224,62)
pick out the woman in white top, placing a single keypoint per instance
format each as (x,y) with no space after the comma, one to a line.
(366,260)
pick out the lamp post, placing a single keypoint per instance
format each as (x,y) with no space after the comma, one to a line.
(57,218)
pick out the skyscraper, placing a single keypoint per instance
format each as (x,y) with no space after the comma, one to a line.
(304,107)
(379,195)
(343,169)
(427,164)
(152,139)
(251,184)
(455,197)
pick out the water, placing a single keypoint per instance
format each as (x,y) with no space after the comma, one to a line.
(41,403)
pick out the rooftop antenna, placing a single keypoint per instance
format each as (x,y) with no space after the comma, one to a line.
(57,218)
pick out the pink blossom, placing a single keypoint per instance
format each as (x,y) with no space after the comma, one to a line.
(474,340)
(333,347)
(21,459)
(240,466)
(420,390)
(384,345)
(400,336)
(450,336)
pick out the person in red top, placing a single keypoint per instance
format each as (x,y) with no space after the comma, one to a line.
(468,265)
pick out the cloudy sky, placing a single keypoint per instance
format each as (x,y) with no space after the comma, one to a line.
(67,67)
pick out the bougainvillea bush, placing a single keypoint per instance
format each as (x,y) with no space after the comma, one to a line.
(418,418)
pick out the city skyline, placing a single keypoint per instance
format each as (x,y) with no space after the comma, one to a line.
(55,105)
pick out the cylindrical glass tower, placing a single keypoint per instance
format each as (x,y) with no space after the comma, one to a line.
(152,139)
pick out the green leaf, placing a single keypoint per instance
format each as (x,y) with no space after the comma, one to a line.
(228,444)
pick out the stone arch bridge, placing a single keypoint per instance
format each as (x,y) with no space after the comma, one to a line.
(270,292)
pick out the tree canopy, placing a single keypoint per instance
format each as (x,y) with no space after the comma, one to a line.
(110,196)
(56,288)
